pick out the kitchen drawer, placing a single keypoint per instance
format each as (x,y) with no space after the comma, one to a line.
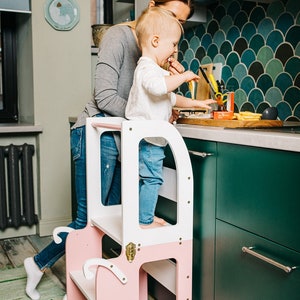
(241,276)
(258,190)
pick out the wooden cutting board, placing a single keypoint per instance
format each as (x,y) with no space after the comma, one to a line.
(230,123)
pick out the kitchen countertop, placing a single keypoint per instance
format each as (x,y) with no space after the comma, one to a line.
(286,138)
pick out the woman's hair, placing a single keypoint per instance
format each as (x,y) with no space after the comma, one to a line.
(154,20)
(189,3)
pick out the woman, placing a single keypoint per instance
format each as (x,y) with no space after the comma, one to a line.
(117,59)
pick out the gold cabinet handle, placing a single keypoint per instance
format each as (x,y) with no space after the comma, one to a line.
(201,154)
(250,251)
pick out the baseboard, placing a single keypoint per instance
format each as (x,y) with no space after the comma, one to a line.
(21,231)
(46,227)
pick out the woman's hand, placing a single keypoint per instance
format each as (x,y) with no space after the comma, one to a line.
(175,67)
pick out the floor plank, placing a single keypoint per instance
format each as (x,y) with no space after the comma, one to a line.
(13,276)
(4,261)
(17,250)
(13,281)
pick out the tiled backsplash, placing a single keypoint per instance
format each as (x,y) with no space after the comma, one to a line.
(259,47)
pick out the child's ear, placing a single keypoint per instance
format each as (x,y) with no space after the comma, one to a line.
(151,3)
(155,41)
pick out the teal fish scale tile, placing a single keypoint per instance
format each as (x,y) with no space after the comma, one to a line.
(292,35)
(274,96)
(274,39)
(284,22)
(292,96)
(292,66)
(293,6)
(226,23)
(265,26)
(240,97)
(240,72)
(219,58)
(247,84)
(240,19)
(257,14)
(248,31)
(264,55)
(283,81)
(248,57)
(259,47)
(274,67)
(265,83)
(284,52)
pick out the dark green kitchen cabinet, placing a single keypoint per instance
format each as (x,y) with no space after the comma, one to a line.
(243,197)
(258,204)
(203,158)
(258,190)
(241,276)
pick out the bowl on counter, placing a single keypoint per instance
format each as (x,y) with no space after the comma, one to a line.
(98,31)
(270,113)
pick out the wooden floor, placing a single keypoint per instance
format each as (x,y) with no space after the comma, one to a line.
(13,276)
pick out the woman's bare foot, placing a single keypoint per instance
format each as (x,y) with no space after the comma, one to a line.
(159,220)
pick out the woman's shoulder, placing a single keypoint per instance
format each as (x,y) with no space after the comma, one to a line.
(119,30)
(118,38)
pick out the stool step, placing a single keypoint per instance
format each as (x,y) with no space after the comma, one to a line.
(163,271)
(110,225)
(87,287)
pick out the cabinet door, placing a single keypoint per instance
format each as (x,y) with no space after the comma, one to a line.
(258,190)
(203,158)
(241,276)
(204,171)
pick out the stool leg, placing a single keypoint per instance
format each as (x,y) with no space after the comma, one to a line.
(81,245)
(108,286)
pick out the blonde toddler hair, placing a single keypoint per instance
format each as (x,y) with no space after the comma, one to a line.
(153,21)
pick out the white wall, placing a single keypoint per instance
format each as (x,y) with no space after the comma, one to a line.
(61,87)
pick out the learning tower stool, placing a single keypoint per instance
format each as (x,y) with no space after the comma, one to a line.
(164,252)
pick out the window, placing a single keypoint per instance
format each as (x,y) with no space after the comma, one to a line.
(8,70)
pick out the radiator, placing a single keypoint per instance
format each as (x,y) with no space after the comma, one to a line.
(16,186)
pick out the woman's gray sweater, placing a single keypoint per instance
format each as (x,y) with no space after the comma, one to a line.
(117,58)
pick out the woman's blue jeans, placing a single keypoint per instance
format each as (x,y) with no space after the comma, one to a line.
(150,170)
(110,190)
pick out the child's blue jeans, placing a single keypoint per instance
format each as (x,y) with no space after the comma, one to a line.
(150,170)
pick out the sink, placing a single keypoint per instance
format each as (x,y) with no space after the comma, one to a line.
(288,127)
(284,129)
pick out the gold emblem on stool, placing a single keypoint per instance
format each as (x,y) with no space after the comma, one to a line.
(130,251)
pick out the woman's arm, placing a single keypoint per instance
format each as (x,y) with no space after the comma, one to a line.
(114,70)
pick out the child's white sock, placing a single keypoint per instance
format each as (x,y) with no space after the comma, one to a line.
(34,275)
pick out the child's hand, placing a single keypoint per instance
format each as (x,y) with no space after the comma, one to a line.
(174,116)
(175,67)
(189,76)
(205,103)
